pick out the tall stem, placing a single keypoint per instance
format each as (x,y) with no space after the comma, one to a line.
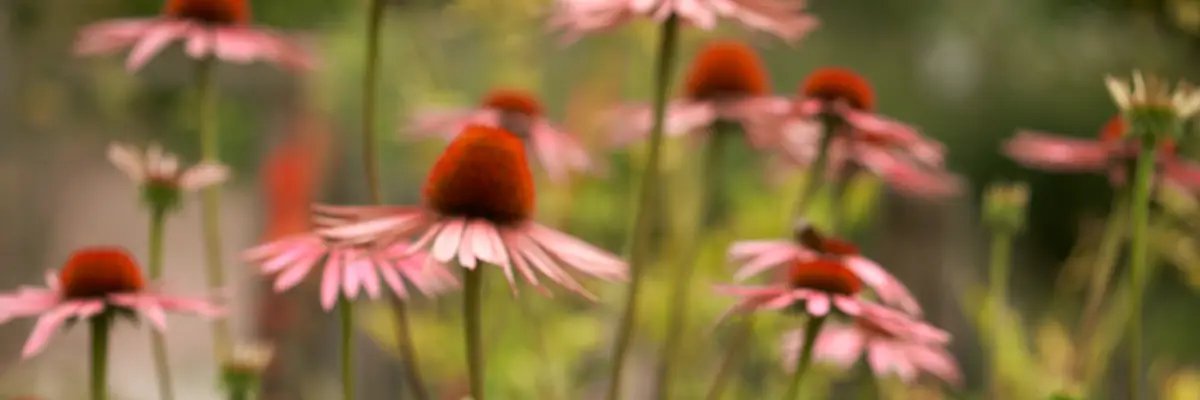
(100,325)
(346,312)
(816,172)
(708,188)
(370,88)
(1110,246)
(741,336)
(998,271)
(644,215)
(158,342)
(811,329)
(1138,256)
(472,301)
(210,143)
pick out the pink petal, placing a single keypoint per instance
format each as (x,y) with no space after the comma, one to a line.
(1047,151)
(293,276)
(1183,173)
(154,39)
(817,305)
(46,326)
(447,244)
(330,282)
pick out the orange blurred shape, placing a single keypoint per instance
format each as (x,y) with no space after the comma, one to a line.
(293,173)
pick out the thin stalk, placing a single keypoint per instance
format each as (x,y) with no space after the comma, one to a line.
(346,312)
(869,388)
(708,188)
(1109,248)
(472,302)
(644,215)
(158,342)
(370,88)
(816,172)
(100,325)
(210,143)
(811,329)
(737,344)
(1139,255)
(998,273)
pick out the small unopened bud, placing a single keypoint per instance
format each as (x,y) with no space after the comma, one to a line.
(243,369)
(806,234)
(1004,206)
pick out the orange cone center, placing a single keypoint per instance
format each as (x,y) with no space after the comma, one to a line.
(482,174)
(217,12)
(100,271)
(824,275)
(839,84)
(726,69)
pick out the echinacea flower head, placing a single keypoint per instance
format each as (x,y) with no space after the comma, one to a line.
(1113,152)
(1152,104)
(782,18)
(209,28)
(894,344)
(519,112)
(841,103)
(478,207)
(757,256)
(159,175)
(246,363)
(815,286)
(95,282)
(348,268)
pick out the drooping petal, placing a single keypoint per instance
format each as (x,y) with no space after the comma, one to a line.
(154,39)
(203,175)
(1056,153)
(128,160)
(46,326)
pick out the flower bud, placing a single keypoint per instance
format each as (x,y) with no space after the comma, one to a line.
(1004,206)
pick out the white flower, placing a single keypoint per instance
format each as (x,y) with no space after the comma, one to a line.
(1151,91)
(158,167)
(250,357)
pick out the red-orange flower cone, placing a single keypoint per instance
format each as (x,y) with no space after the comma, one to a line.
(816,286)
(209,28)
(478,208)
(519,112)
(93,281)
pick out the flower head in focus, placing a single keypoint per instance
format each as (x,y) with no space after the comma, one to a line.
(1113,153)
(840,102)
(478,208)
(209,28)
(348,268)
(892,343)
(518,112)
(95,282)
(1151,105)
(725,84)
(159,176)
(783,18)
(757,256)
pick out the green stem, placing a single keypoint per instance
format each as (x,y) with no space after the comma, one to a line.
(998,273)
(370,89)
(644,215)
(100,325)
(1102,271)
(816,172)
(346,312)
(158,341)
(869,388)
(210,200)
(811,329)
(741,337)
(1138,255)
(472,302)
(836,211)
(708,188)
(240,393)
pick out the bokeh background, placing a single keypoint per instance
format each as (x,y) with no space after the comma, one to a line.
(969,72)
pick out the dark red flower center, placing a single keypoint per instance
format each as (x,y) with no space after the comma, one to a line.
(100,271)
(1114,132)
(824,275)
(513,101)
(832,84)
(482,174)
(726,69)
(216,12)
(808,236)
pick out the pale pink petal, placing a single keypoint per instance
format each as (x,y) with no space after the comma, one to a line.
(46,326)
(155,38)
(200,43)
(545,264)
(292,276)
(889,289)
(388,272)
(817,305)
(768,260)
(1183,173)
(203,175)
(447,244)
(351,281)
(490,247)
(369,277)
(128,160)
(1055,153)
(110,36)
(330,283)
(841,345)
(582,256)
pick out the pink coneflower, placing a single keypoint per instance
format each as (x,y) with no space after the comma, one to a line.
(863,139)
(1111,153)
(893,344)
(478,208)
(348,268)
(815,286)
(726,82)
(757,256)
(518,112)
(782,18)
(95,281)
(159,174)
(209,28)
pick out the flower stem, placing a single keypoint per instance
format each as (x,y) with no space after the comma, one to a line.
(158,342)
(998,272)
(346,311)
(741,336)
(708,189)
(370,88)
(1139,255)
(210,143)
(816,172)
(811,329)
(472,301)
(644,215)
(100,325)
(1102,271)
